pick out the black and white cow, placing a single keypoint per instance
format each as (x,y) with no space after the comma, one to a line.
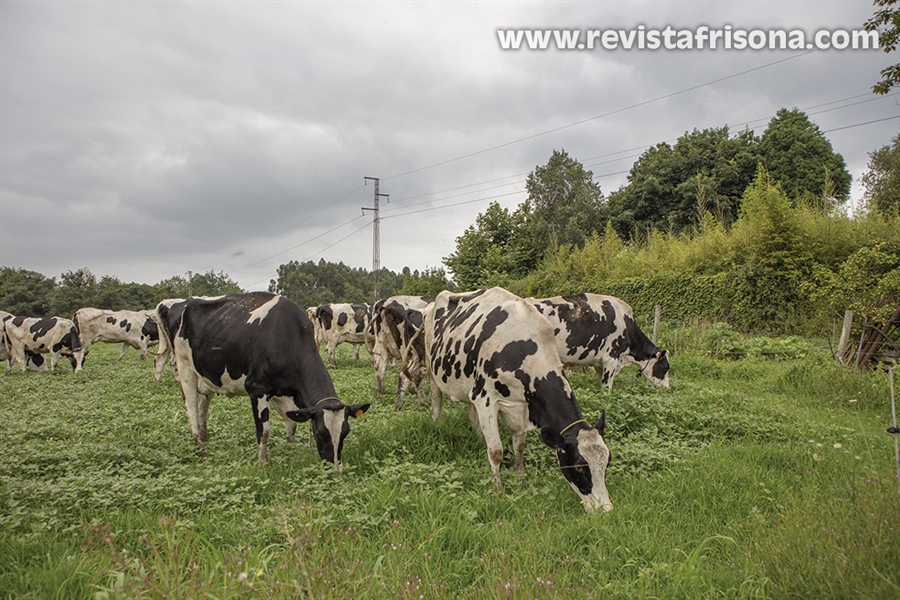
(494,351)
(600,332)
(134,329)
(339,323)
(258,345)
(388,343)
(397,328)
(51,335)
(35,361)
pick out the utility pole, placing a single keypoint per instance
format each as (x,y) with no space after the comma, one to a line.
(376,236)
(190,284)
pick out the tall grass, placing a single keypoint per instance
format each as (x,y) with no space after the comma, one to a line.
(748,479)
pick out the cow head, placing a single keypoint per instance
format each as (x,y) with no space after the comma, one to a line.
(656,369)
(70,347)
(583,458)
(329,425)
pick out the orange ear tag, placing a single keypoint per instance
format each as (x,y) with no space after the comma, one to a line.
(359,413)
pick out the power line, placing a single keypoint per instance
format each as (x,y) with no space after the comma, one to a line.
(325,248)
(861,124)
(300,244)
(294,226)
(613,112)
(413,212)
(519,181)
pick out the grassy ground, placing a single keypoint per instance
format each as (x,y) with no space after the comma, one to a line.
(749,479)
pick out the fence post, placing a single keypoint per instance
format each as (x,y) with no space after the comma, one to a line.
(655,324)
(845,337)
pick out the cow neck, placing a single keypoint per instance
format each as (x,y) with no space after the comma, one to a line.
(551,403)
(315,384)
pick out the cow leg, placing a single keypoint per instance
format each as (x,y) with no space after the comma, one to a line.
(290,427)
(601,375)
(402,382)
(420,390)
(125,348)
(516,420)
(330,348)
(436,399)
(20,358)
(191,397)
(518,442)
(260,406)
(487,419)
(379,361)
(355,351)
(203,416)
(54,360)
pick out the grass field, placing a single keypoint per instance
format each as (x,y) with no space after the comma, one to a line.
(748,479)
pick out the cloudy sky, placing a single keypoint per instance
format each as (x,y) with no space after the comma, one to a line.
(146,140)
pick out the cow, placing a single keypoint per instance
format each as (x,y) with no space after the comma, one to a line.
(397,329)
(51,335)
(258,345)
(600,332)
(339,323)
(35,361)
(494,351)
(134,329)
(391,340)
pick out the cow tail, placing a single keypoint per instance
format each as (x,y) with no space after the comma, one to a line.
(373,326)
(406,366)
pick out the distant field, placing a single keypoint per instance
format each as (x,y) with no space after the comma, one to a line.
(748,479)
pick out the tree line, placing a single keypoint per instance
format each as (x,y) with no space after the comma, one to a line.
(749,230)
(32,294)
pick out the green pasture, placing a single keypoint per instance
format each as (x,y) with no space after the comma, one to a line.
(752,478)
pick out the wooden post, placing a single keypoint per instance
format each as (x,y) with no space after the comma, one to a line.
(845,337)
(656,324)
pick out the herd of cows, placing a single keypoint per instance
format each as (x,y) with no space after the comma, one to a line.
(501,355)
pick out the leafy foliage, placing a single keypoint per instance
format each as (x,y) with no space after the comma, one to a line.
(25,292)
(887,19)
(497,248)
(566,204)
(798,155)
(671,188)
(312,284)
(882,180)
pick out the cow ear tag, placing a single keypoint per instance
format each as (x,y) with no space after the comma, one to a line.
(359,413)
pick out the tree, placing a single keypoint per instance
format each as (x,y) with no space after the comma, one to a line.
(888,19)
(25,293)
(567,204)
(76,289)
(666,182)
(497,245)
(771,256)
(430,282)
(799,157)
(882,180)
(312,284)
(205,284)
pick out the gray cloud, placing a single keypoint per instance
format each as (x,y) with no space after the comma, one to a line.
(143,140)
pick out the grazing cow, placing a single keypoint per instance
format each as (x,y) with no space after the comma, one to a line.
(52,335)
(397,330)
(494,351)
(258,345)
(134,329)
(600,332)
(391,340)
(35,361)
(339,323)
